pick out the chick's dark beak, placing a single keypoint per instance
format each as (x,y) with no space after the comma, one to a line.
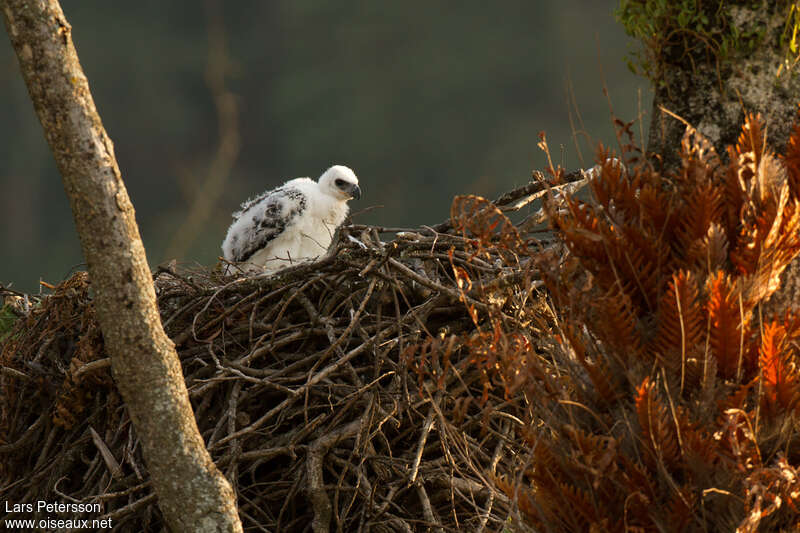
(355,191)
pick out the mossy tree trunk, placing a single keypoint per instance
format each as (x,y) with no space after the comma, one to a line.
(192,493)
(712,62)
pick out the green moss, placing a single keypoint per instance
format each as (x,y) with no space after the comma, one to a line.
(675,32)
(789,38)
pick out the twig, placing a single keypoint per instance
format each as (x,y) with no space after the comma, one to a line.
(90,367)
(426,428)
(108,457)
(316,490)
(427,509)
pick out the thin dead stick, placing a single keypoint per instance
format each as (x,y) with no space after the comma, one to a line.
(316,489)
(128,509)
(108,457)
(268,338)
(90,367)
(290,400)
(427,508)
(426,428)
(683,334)
(498,452)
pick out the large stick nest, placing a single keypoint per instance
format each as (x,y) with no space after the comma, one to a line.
(342,394)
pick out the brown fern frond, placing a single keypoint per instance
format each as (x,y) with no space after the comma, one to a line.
(739,397)
(596,454)
(791,159)
(576,508)
(681,321)
(659,435)
(742,194)
(636,477)
(610,183)
(750,146)
(702,207)
(616,322)
(643,260)
(528,501)
(767,247)
(548,468)
(699,161)
(518,365)
(746,251)
(631,150)
(791,324)
(699,368)
(604,381)
(555,496)
(770,178)
(657,205)
(582,230)
(761,178)
(620,242)
(672,271)
(605,254)
(781,245)
(617,190)
(709,253)
(700,449)
(781,385)
(681,509)
(484,224)
(766,213)
(734,198)
(730,320)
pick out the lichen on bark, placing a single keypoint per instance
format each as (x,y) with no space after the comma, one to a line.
(720,61)
(713,65)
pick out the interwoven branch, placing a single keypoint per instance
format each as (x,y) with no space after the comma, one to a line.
(305,387)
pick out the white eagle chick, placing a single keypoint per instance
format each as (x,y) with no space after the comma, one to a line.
(292,223)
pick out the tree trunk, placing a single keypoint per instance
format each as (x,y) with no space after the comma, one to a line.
(192,493)
(712,86)
(712,91)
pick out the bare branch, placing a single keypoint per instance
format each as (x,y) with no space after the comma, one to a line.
(192,493)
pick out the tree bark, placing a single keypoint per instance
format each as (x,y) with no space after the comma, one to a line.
(713,95)
(192,493)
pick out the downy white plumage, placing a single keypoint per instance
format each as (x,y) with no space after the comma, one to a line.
(292,223)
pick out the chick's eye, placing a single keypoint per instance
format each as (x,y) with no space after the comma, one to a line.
(339,183)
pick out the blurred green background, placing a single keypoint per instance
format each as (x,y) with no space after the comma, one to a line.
(424,100)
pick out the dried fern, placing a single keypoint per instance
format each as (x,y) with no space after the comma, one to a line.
(678,398)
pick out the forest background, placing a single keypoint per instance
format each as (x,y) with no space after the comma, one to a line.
(424,100)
